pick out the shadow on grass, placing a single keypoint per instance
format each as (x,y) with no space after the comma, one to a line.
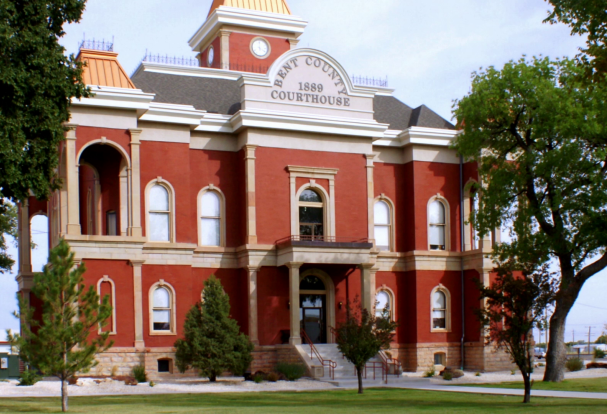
(373,400)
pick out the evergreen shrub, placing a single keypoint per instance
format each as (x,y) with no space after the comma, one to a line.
(291,371)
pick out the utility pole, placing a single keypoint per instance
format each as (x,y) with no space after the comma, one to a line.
(573,335)
(589,328)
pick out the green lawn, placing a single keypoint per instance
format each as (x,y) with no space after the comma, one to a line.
(373,401)
(581,384)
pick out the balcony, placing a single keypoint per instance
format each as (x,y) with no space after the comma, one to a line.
(323,249)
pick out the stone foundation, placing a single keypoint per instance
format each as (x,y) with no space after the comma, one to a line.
(265,358)
(484,358)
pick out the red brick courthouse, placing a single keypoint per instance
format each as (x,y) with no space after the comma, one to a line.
(266,166)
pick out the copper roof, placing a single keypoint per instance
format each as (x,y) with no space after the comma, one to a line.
(102,68)
(272,6)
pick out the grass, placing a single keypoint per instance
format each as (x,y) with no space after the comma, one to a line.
(372,401)
(580,384)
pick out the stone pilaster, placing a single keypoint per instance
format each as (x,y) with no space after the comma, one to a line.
(71,166)
(367,286)
(225,49)
(252,296)
(370,198)
(134,228)
(250,189)
(138,304)
(295,338)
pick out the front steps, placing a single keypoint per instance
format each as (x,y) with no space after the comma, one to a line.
(345,373)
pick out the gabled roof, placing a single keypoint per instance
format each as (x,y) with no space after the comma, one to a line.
(102,68)
(272,6)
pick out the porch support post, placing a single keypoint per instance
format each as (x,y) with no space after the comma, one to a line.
(138,304)
(295,338)
(73,198)
(134,228)
(367,286)
(252,293)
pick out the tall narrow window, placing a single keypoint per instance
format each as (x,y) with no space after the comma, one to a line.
(162,309)
(210,219)
(383,226)
(439,310)
(436,225)
(311,215)
(159,214)
(111,223)
(383,304)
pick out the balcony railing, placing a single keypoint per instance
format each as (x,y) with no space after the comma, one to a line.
(324,241)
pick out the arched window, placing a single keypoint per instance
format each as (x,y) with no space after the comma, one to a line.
(440,309)
(436,225)
(106,287)
(382,214)
(162,309)
(384,302)
(159,214)
(210,219)
(311,215)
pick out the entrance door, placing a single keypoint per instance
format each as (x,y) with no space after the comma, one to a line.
(313,324)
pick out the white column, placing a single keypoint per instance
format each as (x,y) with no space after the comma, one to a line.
(367,286)
(135,196)
(252,296)
(295,338)
(250,189)
(225,49)
(370,197)
(138,304)
(71,166)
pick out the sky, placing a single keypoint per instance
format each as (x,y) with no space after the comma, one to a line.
(426,49)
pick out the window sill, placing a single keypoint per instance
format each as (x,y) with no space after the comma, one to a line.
(160,333)
(433,330)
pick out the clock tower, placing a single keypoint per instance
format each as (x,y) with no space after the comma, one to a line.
(246,35)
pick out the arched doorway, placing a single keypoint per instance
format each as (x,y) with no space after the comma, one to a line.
(317,305)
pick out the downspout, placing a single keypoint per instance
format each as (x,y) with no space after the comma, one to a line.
(461,241)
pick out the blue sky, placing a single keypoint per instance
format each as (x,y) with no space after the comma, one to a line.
(427,50)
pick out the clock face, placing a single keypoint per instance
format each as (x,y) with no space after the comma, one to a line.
(211,56)
(260,48)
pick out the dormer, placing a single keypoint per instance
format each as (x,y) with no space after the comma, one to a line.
(246,35)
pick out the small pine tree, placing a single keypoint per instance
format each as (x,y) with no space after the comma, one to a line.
(212,342)
(57,343)
(363,335)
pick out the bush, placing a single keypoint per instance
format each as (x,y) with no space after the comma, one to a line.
(139,373)
(430,372)
(291,371)
(599,353)
(28,378)
(478,374)
(257,378)
(448,376)
(272,377)
(574,364)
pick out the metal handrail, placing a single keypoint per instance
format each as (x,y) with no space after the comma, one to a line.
(390,361)
(314,351)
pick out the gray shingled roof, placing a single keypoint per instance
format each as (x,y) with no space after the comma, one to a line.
(223,96)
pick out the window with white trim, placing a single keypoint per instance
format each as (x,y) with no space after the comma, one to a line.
(311,215)
(159,214)
(436,225)
(439,310)
(210,219)
(383,225)
(162,310)
(384,302)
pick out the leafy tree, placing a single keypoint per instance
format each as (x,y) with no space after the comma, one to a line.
(586,17)
(37,82)
(8,225)
(601,339)
(362,336)
(212,341)
(57,344)
(515,303)
(538,133)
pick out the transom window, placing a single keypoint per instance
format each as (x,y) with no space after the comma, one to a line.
(311,215)
(439,310)
(210,219)
(383,225)
(436,225)
(159,214)
(162,309)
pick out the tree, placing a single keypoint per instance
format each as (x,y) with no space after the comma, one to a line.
(57,343)
(37,82)
(585,17)
(362,336)
(8,225)
(538,133)
(515,304)
(601,339)
(212,342)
